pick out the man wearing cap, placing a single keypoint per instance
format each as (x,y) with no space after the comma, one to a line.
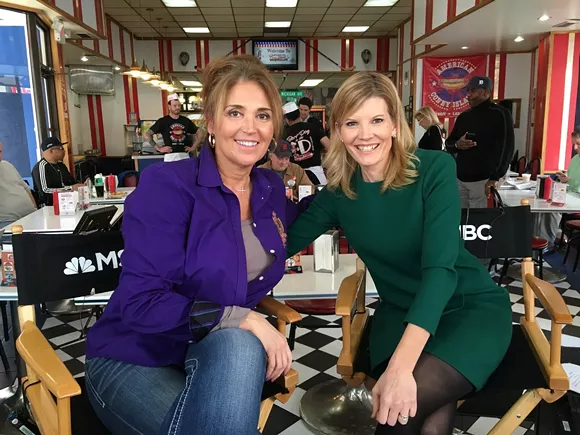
(177,131)
(50,173)
(307,140)
(483,142)
(292,174)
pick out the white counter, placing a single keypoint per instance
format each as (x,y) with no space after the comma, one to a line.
(148,157)
(512,198)
(305,285)
(45,221)
(111,201)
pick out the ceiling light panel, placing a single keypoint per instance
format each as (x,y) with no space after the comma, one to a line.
(380,2)
(179,3)
(278,24)
(311,83)
(196,30)
(281,3)
(355,29)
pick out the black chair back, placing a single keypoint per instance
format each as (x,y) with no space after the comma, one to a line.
(500,232)
(51,267)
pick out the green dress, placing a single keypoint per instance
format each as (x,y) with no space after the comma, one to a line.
(410,242)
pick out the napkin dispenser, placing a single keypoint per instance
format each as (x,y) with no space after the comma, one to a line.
(326,250)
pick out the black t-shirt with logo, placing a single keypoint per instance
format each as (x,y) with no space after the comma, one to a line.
(175,131)
(305,140)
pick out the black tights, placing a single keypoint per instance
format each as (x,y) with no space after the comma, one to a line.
(439,387)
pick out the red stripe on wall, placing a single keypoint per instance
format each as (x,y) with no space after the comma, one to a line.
(307,54)
(198,53)
(135,98)
(96,45)
(351,53)
(92,123)
(387,55)
(99,12)
(451,10)
(428,17)
(243,47)
(160,48)
(80,9)
(343,53)
(127,89)
(110,38)
(122,41)
(206,51)
(132,48)
(554,106)
(235,43)
(101,126)
(380,64)
(502,76)
(315,55)
(75,9)
(170,55)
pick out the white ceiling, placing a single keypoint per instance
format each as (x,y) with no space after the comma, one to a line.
(246,18)
(494,27)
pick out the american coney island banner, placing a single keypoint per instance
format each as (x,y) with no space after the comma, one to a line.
(444,81)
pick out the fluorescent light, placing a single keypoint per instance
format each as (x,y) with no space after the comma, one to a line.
(278,23)
(196,30)
(85,59)
(380,2)
(180,3)
(354,29)
(519,39)
(191,83)
(281,3)
(544,18)
(311,83)
(117,68)
(195,89)
(465,47)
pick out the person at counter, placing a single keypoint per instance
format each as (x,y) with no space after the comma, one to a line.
(204,243)
(50,173)
(292,175)
(16,201)
(177,131)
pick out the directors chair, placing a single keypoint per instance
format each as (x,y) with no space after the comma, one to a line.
(54,267)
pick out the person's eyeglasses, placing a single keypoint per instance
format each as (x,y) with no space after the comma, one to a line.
(58,148)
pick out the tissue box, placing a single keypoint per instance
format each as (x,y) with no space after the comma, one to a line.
(326,250)
(293,265)
(67,203)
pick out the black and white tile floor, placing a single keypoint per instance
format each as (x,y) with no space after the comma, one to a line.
(315,357)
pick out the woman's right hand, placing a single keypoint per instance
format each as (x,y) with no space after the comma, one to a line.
(275,344)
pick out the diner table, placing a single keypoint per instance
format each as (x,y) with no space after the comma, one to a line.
(111,200)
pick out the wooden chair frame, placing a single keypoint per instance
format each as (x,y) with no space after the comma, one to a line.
(548,354)
(49,385)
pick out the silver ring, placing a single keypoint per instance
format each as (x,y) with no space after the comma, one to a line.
(403,418)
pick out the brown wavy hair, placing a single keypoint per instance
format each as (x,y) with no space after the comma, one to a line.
(339,164)
(222,74)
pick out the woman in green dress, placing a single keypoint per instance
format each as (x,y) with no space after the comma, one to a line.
(443,325)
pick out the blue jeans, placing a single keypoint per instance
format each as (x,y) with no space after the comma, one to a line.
(218,393)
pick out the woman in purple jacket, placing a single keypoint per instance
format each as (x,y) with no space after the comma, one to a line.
(178,349)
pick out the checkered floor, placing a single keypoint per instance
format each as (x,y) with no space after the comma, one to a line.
(315,357)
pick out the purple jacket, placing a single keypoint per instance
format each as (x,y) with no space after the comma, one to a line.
(184,260)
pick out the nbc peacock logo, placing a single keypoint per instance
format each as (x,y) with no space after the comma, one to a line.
(79,265)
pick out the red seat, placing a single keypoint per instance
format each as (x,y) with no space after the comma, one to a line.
(313,306)
(539,243)
(574,224)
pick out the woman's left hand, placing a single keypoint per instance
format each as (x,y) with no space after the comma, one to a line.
(395,397)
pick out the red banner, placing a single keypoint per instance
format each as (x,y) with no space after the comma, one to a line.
(444,81)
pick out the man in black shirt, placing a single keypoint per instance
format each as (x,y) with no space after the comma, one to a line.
(50,173)
(307,141)
(483,142)
(177,131)
(305,106)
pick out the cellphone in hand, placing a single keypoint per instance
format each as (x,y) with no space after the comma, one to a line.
(471,136)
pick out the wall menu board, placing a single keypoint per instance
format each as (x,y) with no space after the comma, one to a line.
(280,54)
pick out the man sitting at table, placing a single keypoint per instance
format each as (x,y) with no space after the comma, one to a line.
(292,174)
(50,174)
(17,201)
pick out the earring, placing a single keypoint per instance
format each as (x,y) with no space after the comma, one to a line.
(272,146)
(394,134)
(211,140)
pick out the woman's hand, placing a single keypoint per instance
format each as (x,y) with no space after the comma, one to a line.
(275,344)
(562,177)
(395,397)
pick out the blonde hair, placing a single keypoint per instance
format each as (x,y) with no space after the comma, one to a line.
(222,74)
(339,164)
(429,114)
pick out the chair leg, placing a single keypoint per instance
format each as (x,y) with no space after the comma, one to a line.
(567,252)
(491,263)
(541,261)
(4,358)
(504,269)
(576,260)
(5,320)
(517,413)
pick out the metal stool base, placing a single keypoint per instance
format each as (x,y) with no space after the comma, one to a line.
(66,306)
(334,408)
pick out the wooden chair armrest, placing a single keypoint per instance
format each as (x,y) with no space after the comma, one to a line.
(279,310)
(347,293)
(41,358)
(551,300)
